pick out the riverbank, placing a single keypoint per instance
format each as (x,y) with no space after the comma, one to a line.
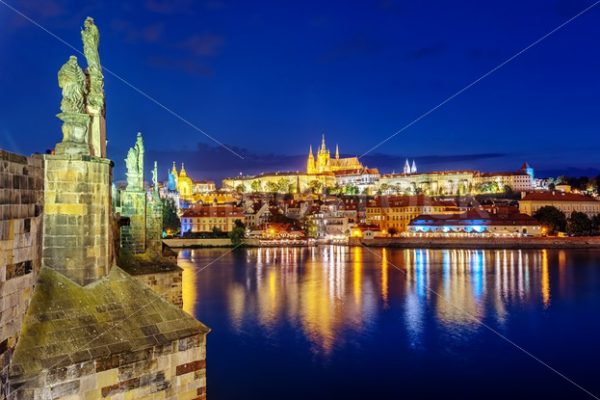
(486,243)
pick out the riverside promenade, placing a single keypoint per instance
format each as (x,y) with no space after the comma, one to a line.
(586,242)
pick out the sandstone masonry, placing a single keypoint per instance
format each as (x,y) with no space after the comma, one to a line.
(21,196)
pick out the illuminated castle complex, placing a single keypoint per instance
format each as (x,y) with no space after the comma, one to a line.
(324,163)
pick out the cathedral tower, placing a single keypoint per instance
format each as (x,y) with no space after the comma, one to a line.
(310,163)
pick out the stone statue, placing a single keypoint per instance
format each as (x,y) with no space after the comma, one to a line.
(135,165)
(139,145)
(91,40)
(155,177)
(95,105)
(71,80)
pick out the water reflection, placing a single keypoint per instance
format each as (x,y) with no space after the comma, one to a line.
(331,294)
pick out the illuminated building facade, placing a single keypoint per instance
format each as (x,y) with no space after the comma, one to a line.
(475,222)
(454,183)
(280,182)
(396,212)
(565,202)
(205,218)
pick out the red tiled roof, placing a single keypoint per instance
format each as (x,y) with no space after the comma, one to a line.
(212,211)
(556,196)
(408,201)
(475,216)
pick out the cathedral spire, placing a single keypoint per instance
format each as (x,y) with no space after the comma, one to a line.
(174,169)
(323,147)
(310,163)
(182,172)
(337,152)
(406,167)
(413,169)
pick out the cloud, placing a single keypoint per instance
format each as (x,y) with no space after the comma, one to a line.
(150,34)
(169,6)
(215,162)
(187,65)
(427,51)
(356,46)
(391,161)
(37,10)
(206,44)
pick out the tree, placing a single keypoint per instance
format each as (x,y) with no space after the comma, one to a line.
(241,188)
(393,232)
(552,218)
(272,187)
(579,223)
(284,185)
(170,220)
(315,186)
(256,186)
(384,187)
(596,222)
(237,233)
(350,189)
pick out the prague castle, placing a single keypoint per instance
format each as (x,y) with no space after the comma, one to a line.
(324,163)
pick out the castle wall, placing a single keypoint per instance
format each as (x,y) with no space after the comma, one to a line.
(77,216)
(21,197)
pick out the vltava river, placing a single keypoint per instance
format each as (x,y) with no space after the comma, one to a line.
(356,323)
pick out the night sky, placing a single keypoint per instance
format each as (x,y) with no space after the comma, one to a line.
(268,78)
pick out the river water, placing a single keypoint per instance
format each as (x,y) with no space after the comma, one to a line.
(358,323)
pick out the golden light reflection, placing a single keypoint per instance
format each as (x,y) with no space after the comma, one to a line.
(545,280)
(357,253)
(384,276)
(331,292)
(189,287)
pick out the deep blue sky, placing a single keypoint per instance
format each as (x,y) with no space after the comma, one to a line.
(268,77)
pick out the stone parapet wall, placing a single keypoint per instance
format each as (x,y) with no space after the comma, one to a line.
(167,284)
(21,198)
(77,216)
(154,225)
(133,206)
(176,371)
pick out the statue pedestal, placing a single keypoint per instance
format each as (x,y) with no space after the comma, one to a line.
(77,217)
(75,134)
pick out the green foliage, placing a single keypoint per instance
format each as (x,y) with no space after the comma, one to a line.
(315,186)
(488,187)
(552,218)
(579,223)
(350,190)
(256,186)
(272,187)
(241,188)
(284,186)
(170,219)
(596,222)
(310,229)
(238,233)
